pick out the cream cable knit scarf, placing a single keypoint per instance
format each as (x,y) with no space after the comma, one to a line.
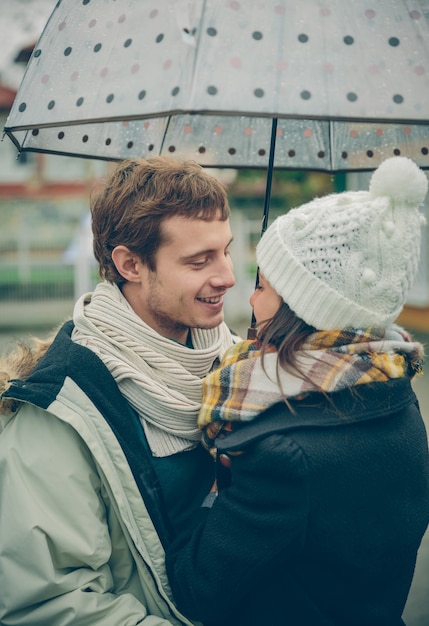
(160,378)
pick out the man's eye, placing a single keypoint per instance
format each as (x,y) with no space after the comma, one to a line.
(199,263)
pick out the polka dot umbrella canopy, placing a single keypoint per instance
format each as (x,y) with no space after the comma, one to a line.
(328,85)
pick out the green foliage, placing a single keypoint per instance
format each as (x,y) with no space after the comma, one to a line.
(289,189)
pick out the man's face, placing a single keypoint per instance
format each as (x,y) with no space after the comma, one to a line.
(193,273)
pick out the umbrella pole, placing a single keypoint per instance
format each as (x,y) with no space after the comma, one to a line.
(252,331)
(269,175)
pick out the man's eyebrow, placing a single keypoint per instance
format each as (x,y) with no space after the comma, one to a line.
(199,253)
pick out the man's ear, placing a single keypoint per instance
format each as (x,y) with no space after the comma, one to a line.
(127,263)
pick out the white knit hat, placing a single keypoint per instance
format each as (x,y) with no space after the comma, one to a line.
(349,259)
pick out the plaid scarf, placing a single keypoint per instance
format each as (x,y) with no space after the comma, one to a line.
(328,361)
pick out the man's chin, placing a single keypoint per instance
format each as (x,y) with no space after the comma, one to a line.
(210,324)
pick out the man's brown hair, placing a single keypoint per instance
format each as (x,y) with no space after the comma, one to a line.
(139,196)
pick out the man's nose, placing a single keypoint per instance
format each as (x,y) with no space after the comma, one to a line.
(225,275)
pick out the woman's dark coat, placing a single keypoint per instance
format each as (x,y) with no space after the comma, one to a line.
(323,518)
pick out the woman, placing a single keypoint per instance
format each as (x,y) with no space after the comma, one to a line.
(325,498)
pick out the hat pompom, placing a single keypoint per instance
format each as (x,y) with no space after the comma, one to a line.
(400,179)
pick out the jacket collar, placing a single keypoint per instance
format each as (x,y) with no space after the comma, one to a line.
(362,403)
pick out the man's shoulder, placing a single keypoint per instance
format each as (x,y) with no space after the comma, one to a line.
(58,359)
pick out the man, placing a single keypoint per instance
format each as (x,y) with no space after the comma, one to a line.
(100,461)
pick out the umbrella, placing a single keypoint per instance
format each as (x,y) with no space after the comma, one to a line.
(321,85)
(346,82)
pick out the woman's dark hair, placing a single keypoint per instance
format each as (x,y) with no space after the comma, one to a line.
(287,333)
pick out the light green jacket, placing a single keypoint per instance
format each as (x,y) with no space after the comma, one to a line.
(77,545)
